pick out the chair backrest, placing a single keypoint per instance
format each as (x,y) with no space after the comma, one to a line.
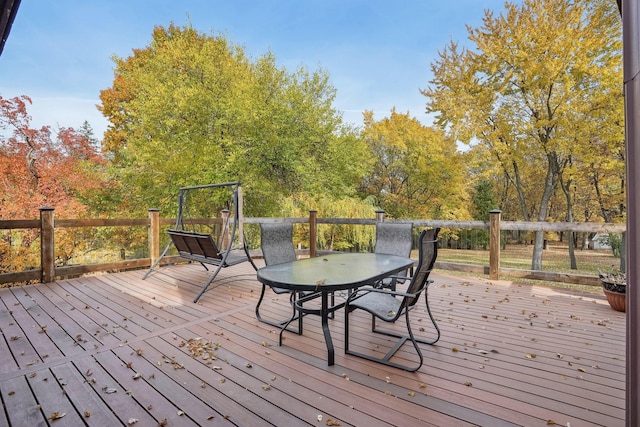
(428,252)
(276,242)
(394,238)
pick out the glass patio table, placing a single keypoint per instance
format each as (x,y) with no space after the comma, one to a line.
(330,273)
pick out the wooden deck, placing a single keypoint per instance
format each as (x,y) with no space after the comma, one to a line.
(112,349)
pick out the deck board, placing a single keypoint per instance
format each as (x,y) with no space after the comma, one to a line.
(510,354)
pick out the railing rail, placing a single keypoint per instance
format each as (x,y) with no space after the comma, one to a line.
(49,271)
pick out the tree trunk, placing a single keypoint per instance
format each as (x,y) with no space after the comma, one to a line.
(549,185)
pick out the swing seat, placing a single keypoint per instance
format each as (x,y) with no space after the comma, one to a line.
(200,247)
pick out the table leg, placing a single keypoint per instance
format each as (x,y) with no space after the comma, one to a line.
(324,315)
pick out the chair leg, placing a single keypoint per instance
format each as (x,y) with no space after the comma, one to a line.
(386,359)
(283,324)
(433,320)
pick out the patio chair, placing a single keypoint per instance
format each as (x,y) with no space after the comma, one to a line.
(276,241)
(389,305)
(394,239)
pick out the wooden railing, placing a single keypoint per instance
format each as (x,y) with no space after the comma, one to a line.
(49,271)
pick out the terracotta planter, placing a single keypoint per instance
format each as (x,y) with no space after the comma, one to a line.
(616,293)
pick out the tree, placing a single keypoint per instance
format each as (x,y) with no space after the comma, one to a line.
(417,172)
(41,168)
(193,109)
(541,84)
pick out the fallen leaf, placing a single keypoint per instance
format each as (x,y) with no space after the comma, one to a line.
(57,415)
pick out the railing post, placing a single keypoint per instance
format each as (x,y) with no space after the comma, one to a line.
(154,234)
(224,214)
(313,214)
(47,255)
(494,244)
(379,215)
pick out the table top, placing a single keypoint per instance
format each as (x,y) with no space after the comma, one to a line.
(333,272)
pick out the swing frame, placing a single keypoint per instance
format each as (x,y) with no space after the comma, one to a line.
(201,247)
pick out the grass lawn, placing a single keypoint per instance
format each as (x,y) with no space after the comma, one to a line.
(555,258)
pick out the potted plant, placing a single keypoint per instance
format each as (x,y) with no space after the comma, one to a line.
(614,286)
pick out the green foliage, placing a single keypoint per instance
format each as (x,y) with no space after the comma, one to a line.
(613,240)
(417,171)
(333,236)
(192,109)
(483,200)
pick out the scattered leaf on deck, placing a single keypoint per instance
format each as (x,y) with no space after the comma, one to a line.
(138,375)
(454,349)
(57,415)
(87,414)
(530,356)
(468,384)
(319,417)
(411,393)
(132,421)
(331,422)
(266,387)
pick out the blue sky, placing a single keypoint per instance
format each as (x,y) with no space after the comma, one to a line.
(378,53)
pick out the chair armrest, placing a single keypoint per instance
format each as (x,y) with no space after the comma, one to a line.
(358,293)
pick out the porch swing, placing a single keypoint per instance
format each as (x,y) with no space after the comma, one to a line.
(221,245)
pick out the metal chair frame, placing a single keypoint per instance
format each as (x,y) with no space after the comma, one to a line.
(389,305)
